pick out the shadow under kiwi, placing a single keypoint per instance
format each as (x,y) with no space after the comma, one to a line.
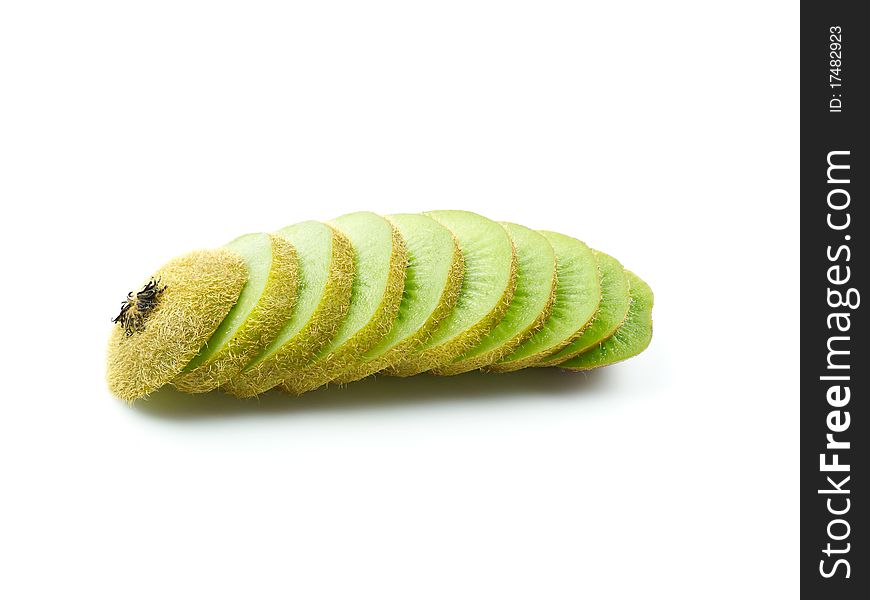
(380,392)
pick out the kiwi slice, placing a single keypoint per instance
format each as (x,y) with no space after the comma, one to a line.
(578,293)
(163,325)
(432,281)
(380,257)
(265,303)
(529,308)
(632,337)
(611,312)
(487,288)
(326,277)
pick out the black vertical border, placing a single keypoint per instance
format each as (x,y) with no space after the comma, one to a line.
(824,131)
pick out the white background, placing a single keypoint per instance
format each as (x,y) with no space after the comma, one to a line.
(665,133)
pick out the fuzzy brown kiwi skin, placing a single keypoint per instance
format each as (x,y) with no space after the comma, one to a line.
(488,358)
(273,309)
(322,327)
(200,289)
(320,373)
(442,355)
(445,305)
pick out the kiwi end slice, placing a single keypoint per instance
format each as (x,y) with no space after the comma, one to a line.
(326,277)
(488,285)
(632,337)
(578,293)
(432,282)
(530,307)
(162,326)
(265,303)
(380,258)
(611,312)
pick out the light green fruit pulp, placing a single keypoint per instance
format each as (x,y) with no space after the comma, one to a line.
(632,337)
(432,281)
(267,299)
(611,312)
(487,288)
(380,258)
(578,293)
(326,276)
(529,308)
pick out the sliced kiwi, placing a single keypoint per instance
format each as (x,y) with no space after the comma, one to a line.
(163,325)
(578,293)
(265,303)
(380,257)
(326,278)
(444,292)
(611,312)
(529,308)
(487,288)
(432,282)
(632,337)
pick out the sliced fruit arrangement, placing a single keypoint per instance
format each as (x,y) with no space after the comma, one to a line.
(264,304)
(326,270)
(615,300)
(630,339)
(578,295)
(312,304)
(380,258)
(488,285)
(433,279)
(529,308)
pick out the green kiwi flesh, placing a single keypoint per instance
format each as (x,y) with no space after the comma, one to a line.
(265,302)
(488,285)
(529,308)
(432,281)
(632,337)
(326,277)
(611,312)
(380,258)
(578,293)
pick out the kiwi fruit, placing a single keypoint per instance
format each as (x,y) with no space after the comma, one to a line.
(578,293)
(632,337)
(162,326)
(326,279)
(611,312)
(432,281)
(266,301)
(529,308)
(380,258)
(488,285)
(315,303)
